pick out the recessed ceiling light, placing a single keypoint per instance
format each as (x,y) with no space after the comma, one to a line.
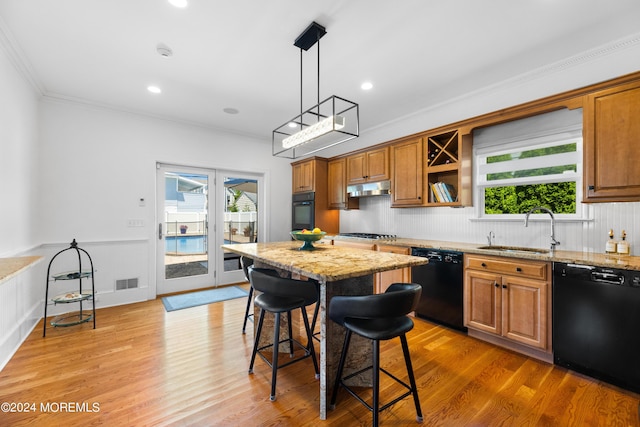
(154,89)
(229,110)
(366,86)
(179,3)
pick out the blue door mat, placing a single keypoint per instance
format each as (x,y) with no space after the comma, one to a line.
(194,299)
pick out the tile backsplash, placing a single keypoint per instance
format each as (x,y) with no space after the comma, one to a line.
(458,225)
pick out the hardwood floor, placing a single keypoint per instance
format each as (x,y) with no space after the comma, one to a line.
(143,366)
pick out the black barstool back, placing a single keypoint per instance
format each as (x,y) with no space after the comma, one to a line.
(377,317)
(268,282)
(247,262)
(280,295)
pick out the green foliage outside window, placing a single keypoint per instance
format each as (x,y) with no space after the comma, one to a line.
(560,197)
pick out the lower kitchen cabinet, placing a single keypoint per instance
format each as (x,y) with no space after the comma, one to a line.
(385,279)
(509,299)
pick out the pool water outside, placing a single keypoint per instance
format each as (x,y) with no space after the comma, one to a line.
(186,244)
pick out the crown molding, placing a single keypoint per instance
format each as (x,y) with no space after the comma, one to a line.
(19,60)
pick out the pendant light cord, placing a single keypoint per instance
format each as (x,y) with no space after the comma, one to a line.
(300,88)
(318,117)
(301,85)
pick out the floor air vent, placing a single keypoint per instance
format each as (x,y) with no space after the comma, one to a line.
(126,284)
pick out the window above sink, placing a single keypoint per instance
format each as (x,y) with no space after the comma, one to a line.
(530,162)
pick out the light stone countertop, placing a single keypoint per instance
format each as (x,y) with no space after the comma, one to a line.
(11,267)
(327,263)
(626,262)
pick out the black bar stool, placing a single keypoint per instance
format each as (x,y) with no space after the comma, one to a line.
(247,262)
(281,295)
(377,317)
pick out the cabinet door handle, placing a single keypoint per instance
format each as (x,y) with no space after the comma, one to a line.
(160,231)
(519,270)
(504,286)
(495,283)
(484,265)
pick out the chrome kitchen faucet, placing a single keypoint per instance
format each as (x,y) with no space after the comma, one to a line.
(554,242)
(490,237)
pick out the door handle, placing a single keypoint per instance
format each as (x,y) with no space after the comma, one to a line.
(160,231)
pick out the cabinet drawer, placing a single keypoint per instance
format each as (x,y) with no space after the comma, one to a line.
(356,245)
(393,249)
(521,268)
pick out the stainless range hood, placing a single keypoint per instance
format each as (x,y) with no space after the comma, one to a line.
(369,189)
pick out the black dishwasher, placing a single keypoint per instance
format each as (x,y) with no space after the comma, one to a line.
(441,281)
(596,322)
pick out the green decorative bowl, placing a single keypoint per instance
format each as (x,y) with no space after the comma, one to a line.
(307,238)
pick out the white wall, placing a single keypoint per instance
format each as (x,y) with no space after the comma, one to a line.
(18,158)
(20,295)
(375,215)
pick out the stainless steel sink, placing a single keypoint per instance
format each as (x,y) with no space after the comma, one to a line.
(516,249)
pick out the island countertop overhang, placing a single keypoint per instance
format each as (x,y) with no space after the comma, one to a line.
(327,263)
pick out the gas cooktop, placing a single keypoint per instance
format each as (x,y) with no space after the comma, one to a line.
(375,236)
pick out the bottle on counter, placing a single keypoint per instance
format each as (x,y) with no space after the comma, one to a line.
(612,246)
(623,245)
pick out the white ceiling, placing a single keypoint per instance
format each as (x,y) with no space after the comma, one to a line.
(240,54)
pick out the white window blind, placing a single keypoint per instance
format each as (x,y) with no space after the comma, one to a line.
(543,149)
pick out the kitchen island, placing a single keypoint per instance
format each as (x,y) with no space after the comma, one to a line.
(340,271)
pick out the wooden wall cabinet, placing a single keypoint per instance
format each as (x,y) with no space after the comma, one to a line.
(448,157)
(509,299)
(406,173)
(611,136)
(304,176)
(369,166)
(337,186)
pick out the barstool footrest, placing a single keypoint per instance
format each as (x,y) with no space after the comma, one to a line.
(389,374)
(307,353)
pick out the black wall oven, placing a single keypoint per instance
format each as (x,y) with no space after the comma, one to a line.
(303,211)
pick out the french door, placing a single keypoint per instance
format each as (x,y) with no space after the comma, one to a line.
(185,230)
(198,210)
(239,219)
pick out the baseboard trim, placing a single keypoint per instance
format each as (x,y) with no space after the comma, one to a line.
(19,334)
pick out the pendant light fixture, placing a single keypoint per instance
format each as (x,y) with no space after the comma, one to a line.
(328,123)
